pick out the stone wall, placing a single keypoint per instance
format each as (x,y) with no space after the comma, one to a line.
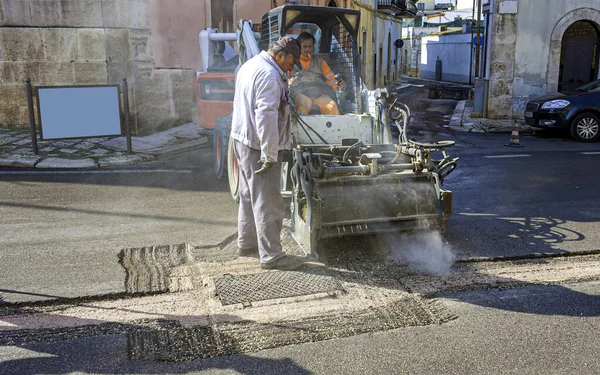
(75,42)
(525,49)
(502,62)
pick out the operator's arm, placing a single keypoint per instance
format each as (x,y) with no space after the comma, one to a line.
(328,75)
(266,111)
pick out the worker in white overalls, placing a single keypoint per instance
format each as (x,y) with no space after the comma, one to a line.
(262,129)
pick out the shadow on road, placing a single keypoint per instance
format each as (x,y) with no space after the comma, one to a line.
(163,346)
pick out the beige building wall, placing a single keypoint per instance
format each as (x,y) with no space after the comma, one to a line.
(154,43)
(77,42)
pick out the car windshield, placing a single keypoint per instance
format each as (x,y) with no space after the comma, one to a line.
(592,86)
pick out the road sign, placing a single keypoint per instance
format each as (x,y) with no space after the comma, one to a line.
(485,7)
(477,42)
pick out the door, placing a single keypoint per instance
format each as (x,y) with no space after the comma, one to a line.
(579,57)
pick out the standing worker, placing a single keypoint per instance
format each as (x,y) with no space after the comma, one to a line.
(262,129)
(309,80)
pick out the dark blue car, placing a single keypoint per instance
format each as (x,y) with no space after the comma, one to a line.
(577,111)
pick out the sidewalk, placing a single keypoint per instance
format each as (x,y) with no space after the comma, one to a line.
(462,121)
(16,149)
(103,152)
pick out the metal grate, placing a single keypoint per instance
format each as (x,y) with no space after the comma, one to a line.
(271,285)
(342,60)
(269,31)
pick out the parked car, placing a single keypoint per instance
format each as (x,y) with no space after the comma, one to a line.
(577,111)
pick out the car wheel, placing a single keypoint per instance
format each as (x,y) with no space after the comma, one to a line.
(585,127)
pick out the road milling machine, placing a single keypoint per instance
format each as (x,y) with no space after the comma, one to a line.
(345,175)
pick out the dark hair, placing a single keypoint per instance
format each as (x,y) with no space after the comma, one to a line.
(287,45)
(306,36)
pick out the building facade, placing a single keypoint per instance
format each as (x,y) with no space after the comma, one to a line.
(535,47)
(154,43)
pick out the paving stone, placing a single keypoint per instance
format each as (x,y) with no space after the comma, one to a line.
(99,151)
(23,151)
(97,139)
(61,143)
(85,145)
(22,141)
(7,140)
(68,150)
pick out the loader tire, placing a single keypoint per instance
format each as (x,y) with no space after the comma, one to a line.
(220,145)
(232,172)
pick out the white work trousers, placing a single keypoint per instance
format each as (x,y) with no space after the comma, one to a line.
(261,212)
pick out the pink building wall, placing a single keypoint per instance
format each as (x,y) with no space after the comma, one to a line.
(254,9)
(176,24)
(175,27)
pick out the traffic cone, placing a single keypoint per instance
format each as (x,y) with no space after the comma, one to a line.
(514,136)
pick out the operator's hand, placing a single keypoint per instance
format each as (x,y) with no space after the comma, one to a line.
(265,165)
(341,85)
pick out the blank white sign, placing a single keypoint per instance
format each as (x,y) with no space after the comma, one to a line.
(77,112)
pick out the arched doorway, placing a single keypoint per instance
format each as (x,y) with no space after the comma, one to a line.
(332,4)
(556,41)
(579,55)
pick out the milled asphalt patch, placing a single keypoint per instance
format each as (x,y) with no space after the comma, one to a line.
(169,340)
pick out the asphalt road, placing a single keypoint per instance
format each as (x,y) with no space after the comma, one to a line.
(532,330)
(61,233)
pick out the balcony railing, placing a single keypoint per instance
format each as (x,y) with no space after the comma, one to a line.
(397,8)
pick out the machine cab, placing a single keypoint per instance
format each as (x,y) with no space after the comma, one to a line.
(334,31)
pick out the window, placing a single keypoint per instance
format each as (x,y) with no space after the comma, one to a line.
(421,6)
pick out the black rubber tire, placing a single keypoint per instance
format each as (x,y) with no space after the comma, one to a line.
(233,172)
(220,145)
(585,127)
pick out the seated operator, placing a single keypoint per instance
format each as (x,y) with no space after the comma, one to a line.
(307,83)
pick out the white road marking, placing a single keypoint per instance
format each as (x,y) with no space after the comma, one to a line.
(126,171)
(507,156)
(591,153)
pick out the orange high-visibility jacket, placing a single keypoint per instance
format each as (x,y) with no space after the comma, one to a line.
(316,69)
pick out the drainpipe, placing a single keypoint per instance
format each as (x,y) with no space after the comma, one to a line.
(477,48)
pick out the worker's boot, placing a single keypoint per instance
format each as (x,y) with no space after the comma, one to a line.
(284,263)
(252,251)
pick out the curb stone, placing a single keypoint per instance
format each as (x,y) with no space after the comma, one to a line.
(67,163)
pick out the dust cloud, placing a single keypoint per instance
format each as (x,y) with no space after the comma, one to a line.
(424,252)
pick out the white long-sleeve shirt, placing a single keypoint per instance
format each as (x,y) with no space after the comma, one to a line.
(261,111)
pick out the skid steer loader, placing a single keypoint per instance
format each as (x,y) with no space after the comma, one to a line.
(345,175)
